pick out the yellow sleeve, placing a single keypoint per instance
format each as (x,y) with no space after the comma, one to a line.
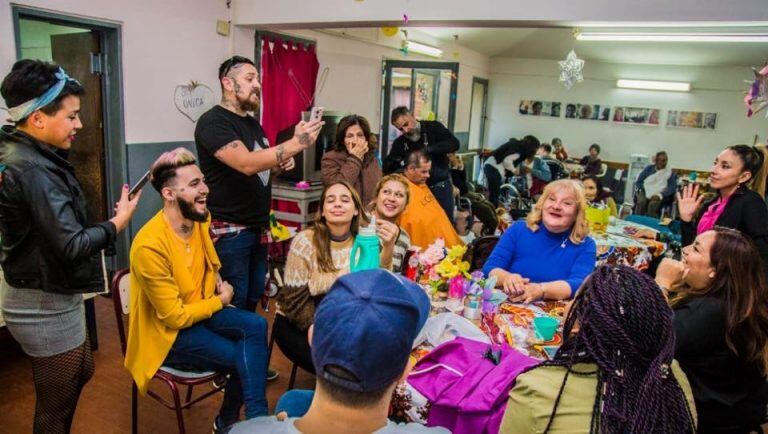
(153,273)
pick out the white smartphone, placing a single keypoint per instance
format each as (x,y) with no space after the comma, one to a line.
(316,114)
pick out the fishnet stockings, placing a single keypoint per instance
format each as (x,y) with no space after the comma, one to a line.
(58,381)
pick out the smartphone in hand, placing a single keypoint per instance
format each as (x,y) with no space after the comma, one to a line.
(139,185)
(316,114)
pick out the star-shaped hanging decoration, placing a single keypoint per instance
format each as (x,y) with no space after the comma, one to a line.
(570,70)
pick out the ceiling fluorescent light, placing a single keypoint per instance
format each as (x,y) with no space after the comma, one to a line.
(424,49)
(673,86)
(671,37)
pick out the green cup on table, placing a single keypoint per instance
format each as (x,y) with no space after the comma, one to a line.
(545,327)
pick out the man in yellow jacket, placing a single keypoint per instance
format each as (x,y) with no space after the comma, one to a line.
(180,308)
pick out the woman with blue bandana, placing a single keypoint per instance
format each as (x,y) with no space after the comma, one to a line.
(49,252)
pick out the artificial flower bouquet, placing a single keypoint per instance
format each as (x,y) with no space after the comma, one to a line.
(445,272)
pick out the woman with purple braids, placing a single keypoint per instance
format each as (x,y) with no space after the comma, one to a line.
(614,372)
(721,328)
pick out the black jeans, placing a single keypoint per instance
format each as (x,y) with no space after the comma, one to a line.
(443,192)
(494,181)
(293,342)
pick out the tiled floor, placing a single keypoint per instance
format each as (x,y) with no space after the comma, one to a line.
(105,405)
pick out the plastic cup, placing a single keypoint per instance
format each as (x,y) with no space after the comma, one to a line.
(545,327)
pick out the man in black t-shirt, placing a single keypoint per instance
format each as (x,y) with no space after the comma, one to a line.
(238,162)
(438,142)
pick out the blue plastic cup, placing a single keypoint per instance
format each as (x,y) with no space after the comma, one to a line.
(545,327)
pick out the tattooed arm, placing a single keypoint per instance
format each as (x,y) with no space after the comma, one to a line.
(237,156)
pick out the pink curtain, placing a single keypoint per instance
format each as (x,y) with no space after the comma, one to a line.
(289,74)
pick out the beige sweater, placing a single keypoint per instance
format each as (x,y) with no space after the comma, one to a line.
(305,283)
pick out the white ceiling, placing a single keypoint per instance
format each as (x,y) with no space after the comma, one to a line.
(555,43)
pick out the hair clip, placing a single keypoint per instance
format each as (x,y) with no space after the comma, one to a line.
(493,356)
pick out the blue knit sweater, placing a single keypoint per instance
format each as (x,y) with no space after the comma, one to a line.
(543,256)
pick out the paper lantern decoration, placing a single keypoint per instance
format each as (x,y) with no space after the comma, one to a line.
(389,31)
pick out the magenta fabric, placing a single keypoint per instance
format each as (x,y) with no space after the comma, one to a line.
(289,74)
(710,216)
(468,391)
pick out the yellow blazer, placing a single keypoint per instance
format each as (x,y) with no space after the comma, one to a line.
(163,298)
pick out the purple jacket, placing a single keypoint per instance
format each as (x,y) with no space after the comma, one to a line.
(467,390)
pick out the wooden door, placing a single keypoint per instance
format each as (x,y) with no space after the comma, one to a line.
(87,155)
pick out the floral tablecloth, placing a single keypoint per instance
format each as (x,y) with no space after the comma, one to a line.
(616,246)
(511,325)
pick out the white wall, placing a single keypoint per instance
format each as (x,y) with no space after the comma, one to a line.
(354,78)
(715,89)
(165,43)
(490,12)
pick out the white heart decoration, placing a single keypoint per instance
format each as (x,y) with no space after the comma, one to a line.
(193,99)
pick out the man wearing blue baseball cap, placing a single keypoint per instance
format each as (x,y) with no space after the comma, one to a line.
(361,338)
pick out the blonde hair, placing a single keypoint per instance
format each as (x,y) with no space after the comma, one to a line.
(396,177)
(580,228)
(164,168)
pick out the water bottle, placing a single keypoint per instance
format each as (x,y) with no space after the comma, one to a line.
(365,250)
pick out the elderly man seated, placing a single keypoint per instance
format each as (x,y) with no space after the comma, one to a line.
(424,218)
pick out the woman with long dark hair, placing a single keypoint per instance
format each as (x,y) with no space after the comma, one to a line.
(51,253)
(614,372)
(735,205)
(353,158)
(721,327)
(318,256)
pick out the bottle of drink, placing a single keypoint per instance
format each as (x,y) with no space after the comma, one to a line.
(365,250)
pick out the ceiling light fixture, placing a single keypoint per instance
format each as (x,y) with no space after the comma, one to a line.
(670,37)
(672,86)
(416,47)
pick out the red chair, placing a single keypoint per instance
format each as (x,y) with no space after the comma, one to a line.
(173,378)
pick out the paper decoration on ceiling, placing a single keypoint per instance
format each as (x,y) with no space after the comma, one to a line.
(570,70)
(756,97)
(193,99)
(390,31)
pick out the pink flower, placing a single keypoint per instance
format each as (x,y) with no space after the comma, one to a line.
(434,253)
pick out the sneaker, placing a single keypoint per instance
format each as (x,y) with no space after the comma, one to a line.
(218,429)
(272,374)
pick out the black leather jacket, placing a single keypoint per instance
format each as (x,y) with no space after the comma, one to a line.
(47,242)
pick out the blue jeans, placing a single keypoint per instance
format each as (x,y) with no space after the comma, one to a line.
(295,402)
(232,341)
(244,265)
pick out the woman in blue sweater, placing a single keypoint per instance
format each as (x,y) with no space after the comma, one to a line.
(549,255)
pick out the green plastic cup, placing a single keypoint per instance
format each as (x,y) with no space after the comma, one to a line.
(545,327)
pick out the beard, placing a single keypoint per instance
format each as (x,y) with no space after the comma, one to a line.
(188,211)
(414,135)
(245,103)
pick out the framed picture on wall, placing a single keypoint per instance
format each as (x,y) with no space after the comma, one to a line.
(685,119)
(532,107)
(593,112)
(637,115)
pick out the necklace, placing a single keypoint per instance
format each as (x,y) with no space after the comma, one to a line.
(565,241)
